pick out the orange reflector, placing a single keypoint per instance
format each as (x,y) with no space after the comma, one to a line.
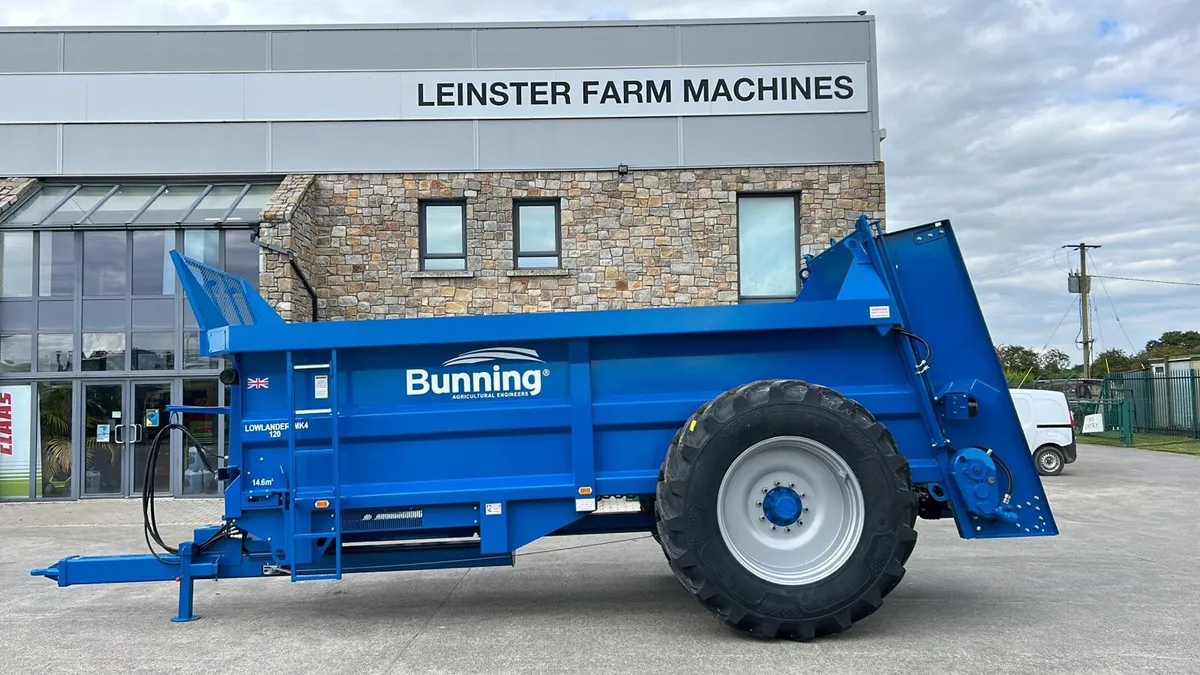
(585,490)
(322,504)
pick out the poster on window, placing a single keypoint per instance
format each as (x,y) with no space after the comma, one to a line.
(15,425)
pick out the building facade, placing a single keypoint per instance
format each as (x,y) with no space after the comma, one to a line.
(357,172)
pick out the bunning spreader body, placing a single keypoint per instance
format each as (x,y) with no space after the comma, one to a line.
(781,452)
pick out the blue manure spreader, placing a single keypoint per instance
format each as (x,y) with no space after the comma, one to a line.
(781,453)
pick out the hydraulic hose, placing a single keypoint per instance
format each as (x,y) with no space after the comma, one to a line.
(149,517)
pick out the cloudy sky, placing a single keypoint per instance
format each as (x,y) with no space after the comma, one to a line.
(1031,124)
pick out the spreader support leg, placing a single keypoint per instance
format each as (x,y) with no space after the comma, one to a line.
(186,585)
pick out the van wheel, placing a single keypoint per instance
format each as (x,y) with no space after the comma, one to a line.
(1049,461)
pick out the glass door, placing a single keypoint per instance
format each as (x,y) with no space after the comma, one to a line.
(194,475)
(149,406)
(104,421)
(120,422)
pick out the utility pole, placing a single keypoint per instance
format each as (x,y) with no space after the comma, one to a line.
(1082,284)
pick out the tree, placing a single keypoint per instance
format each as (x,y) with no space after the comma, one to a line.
(1114,361)
(1054,363)
(1019,359)
(1173,343)
(1022,364)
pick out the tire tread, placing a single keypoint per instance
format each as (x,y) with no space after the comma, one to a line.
(671,520)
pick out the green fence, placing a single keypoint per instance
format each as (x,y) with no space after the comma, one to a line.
(1164,404)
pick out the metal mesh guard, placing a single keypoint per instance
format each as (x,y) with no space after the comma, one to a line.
(227,292)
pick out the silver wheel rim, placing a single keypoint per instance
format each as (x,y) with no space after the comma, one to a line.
(1049,461)
(766,540)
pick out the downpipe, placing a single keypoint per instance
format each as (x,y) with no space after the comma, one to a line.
(291,258)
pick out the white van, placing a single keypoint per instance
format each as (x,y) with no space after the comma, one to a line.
(1049,428)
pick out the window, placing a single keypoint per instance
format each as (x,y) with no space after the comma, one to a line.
(105,266)
(56,268)
(768,246)
(537,240)
(242,256)
(152,272)
(144,203)
(16,352)
(86,285)
(443,234)
(16,264)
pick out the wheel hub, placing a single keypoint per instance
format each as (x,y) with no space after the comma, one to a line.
(782,506)
(790,510)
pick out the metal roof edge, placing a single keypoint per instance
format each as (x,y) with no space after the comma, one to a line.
(266,28)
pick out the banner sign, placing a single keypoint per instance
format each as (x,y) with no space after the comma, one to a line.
(465,94)
(632,92)
(15,426)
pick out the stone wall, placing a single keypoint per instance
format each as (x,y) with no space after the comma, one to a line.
(646,238)
(287,223)
(11,192)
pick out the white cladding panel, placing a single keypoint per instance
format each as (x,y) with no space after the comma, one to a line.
(438,97)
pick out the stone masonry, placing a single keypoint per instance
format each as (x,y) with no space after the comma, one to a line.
(11,192)
(287,223)
(646,238)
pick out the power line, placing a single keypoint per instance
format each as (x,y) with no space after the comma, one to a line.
(1050,339)
(1150,281)
(1018,265)
(1104,287)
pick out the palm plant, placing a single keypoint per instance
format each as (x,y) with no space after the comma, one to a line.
(54,415)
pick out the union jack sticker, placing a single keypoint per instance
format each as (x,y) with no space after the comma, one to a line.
(257,383)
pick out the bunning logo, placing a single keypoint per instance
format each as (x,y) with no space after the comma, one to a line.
(495,382)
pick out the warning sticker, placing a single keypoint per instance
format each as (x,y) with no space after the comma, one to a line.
(492,509)
(585,504)
(321,386)
(881,312)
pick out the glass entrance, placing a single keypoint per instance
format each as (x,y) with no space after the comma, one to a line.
(149,404)
(120,421)
(104,431)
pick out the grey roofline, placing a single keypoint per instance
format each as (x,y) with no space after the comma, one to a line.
(188,28)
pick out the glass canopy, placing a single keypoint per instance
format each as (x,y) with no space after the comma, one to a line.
(143,204)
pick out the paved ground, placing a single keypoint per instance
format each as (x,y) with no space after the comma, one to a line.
(1118,592)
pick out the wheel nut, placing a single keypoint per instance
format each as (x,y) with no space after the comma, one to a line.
(762,517)
(776,483)
(789,529)
(772,527)
(758,503)
(791,485)
(764,491)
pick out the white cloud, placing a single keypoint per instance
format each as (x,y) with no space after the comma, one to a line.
(1030,123)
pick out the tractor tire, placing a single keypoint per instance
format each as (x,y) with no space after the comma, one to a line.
(786,510)
(649,504)
(1049,460)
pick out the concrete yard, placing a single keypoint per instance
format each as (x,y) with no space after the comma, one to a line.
(1117,592)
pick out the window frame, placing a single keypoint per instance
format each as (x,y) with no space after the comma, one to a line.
(797,228)
(517,253)
(183,331)
(424,256)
